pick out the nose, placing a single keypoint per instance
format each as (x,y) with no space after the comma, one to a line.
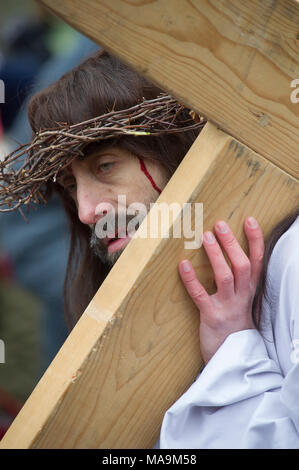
(103,208)
(90,203)
(86,212)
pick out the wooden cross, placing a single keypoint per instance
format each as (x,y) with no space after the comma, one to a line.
(135,349)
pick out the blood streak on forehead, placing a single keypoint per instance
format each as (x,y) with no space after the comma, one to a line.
(145,171)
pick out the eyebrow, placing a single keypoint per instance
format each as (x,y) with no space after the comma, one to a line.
(103,153)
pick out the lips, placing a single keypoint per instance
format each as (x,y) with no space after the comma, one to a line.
(109,240)
(116,244)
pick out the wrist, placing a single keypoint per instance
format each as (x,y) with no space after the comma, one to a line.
(211,341)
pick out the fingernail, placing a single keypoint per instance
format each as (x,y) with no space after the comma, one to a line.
(186,266)
(209,237)
(222,227)
(252,222)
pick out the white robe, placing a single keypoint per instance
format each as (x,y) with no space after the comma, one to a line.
(247,396)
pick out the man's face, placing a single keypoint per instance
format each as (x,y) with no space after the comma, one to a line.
(96,182)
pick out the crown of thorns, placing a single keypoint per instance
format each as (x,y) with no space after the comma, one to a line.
(52,150)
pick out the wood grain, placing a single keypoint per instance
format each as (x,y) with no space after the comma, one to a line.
(231,60)
(135,350)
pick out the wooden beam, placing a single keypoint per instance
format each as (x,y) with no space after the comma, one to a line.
(135,349)
(233,61)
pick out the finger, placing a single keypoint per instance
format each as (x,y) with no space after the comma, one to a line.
(194,288)
(238,258)
(223,275)
(256,244)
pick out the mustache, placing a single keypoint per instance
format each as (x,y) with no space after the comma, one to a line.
(119,224)
(98,243)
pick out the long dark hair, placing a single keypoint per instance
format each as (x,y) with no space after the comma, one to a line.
(262,289)
(93,88)
(96,86)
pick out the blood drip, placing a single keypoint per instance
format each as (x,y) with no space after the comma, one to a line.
(144,170)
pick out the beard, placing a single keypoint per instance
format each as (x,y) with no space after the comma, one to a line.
(101,251)
(99,246)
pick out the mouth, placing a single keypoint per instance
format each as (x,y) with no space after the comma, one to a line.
(116,243)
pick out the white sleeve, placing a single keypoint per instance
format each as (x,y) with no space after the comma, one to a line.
(242,399)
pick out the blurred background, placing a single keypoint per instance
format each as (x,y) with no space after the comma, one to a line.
(36,48)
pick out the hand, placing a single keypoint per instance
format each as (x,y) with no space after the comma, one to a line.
(230,309)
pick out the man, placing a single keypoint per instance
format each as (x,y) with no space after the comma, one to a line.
(137,167)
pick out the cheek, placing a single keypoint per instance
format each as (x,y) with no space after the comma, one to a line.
(142,180)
